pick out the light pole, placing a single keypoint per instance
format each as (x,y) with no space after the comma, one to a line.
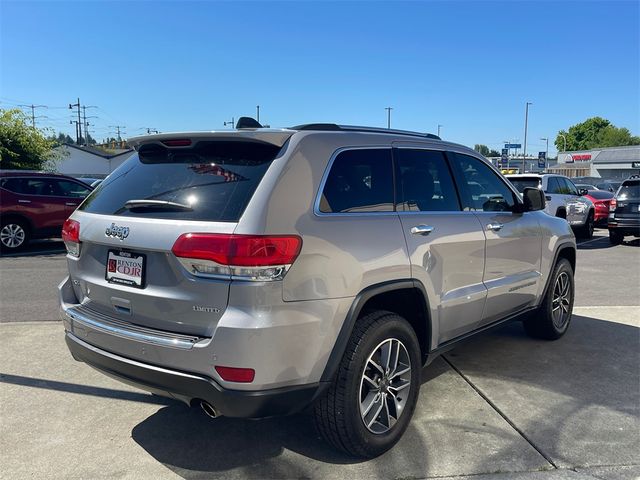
(526,122)
(439,127)
(565,141)
(258,113)
(232,122)
(388,109)
(546,155)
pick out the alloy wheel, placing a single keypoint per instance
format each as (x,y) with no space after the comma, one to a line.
(384,386)
(561,303)
(12,235)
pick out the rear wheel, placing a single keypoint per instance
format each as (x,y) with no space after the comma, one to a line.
(587,229)
(552,319)
(615,238)
(370,403)
(14,235)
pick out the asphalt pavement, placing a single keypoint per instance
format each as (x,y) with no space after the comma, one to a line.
(501,406)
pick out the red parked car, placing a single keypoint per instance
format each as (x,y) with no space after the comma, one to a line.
(601,200)
(35,205)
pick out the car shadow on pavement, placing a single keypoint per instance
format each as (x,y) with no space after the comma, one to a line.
(585,377)
(603,243)
(38,248)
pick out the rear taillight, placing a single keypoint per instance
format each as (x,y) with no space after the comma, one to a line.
(244,257)
(612,205)
(71,236)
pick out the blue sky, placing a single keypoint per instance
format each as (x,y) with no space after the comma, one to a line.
(469,66)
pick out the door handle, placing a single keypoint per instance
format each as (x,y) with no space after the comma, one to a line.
(71,204)
(24,201)
(494,227)
(421,230)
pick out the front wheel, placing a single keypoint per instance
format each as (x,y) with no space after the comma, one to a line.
(370,403)
(551,320)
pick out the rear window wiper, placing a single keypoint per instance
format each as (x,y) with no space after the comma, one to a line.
(155,205)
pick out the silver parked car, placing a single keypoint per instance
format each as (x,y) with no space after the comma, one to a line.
(563,198)
(257,272)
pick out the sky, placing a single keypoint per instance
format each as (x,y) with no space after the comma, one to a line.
(468,66)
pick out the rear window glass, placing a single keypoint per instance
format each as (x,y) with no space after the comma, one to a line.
(629,190)
(522,183)
(359,181)
(212,181)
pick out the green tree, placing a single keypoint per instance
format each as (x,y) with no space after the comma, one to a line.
(22,146)
(61,139)
(482,149)
(494,153)
(595,132)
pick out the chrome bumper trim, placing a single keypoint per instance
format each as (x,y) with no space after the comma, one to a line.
(132,332)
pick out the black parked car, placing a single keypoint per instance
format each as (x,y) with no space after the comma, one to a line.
(624,211)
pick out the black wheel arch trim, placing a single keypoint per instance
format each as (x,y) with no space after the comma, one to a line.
(358,303)
(560,248)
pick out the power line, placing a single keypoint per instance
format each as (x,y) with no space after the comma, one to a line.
(33,112)
(117,131)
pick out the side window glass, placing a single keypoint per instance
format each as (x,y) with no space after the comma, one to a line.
(71,189)
(571,188)
(483,189)
(39,186)
(359,181)
(423,182)
(15,185)
(552,185)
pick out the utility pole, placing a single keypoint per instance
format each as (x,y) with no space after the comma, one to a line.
(117,127)
(258,113)
(564,137)
(33,113)
(86,125)
(388,109)
(547,151)
(232,122)
(79,124)
(526,122)
(151,130)
(439,127)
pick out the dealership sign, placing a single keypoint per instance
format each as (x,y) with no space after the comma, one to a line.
(578,157)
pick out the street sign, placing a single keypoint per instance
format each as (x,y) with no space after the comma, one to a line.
(542,157)
(513,145)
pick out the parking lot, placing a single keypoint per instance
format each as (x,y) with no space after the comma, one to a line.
(501,406)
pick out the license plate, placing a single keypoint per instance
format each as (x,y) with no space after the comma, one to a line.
(125,268)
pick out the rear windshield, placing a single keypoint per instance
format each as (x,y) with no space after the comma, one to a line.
(522,183)
(213,181)
(629,190)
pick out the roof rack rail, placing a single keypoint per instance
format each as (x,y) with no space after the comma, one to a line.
(332,127)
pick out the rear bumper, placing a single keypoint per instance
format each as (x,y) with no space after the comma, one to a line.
(626,226)
(192,388)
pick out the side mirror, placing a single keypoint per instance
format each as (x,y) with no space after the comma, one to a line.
(583,191)
(533,199)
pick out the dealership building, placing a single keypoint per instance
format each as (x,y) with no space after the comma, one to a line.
(616,163)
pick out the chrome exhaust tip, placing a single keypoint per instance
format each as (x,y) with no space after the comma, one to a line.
(209,410)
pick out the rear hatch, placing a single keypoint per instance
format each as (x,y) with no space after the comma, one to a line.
(628,201)
(129,224)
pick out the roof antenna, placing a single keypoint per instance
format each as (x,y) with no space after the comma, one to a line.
(247,122)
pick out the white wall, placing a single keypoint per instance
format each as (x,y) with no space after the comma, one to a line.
(79,162)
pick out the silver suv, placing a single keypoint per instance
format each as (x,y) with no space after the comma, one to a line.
(563,199)
(259,272)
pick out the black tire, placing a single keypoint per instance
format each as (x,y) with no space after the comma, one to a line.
(14,235)
(546,322)
(615,238)
(337,413)
(586,231)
